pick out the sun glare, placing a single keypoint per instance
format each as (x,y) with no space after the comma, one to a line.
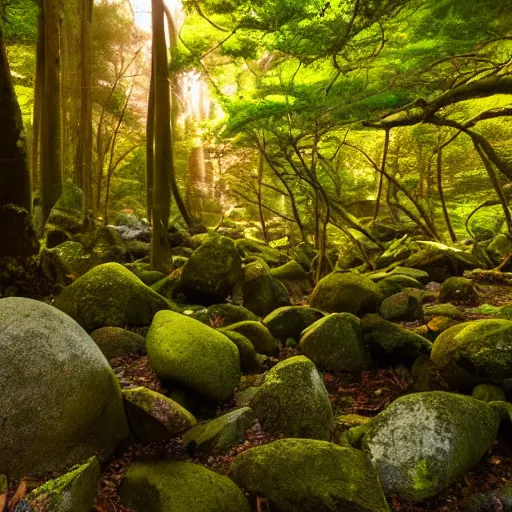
(142,9)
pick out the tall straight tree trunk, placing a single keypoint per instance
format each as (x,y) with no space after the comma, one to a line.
(261,168)
(14,174)
(84,149)
(150,148)
(175,111)
(38,101)
(161,258)
(51,165)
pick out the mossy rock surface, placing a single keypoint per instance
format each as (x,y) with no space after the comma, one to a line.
(488,393)
(457,289)
(499,248)
(105,245)
(335,343)
(179,486)
(189,353)
(418,275)
(393,284)
(165,287)
(290,321)
(293,401)
(304,475)
(218,436)
(110,295)
(261,292)
(150,277)
(424,442)
(222,315)
(74,491)
(60,400)
(260,337)
(426,376)
(154,417)
(249,248)
(446,310)
(441,261)
(68,213)
(346,293)
(248,356)
(474,352)
(391,343)
(117,342)
(211,272)
(290,271)
(401,306)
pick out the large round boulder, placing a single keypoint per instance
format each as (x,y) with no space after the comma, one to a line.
(290,321)
(473,352)
(335,343)
(193,355)
(304,475)
(60,401)
(293,401)
(211,272)
(180,486)
(423,442)
(345,292)
(110,295)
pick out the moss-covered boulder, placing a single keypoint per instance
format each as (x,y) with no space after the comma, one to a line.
(335,343)
(105,245)
(179,486)
(249,362)
(211,272)
(250,250)
(488,393)
(60,400)
(474,352)
(417,274)
(457,289)
(289,321)
(218,436)
(305,475)
(222,315)
(423,442)
(441,261)
(117,342)
(499,248)
(341,292)
(393,284)
(290,271)
(261,292)
(260,337)
(154,417)
(189,353)
(110,295)
(166,286)
(74,491)
(402,306)
(293,401)
(65,262)
(150,277)
(391,343)
(137,249)
(426,376)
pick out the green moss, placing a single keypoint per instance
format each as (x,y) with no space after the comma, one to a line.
(290,321)
(488,393)
(335,343)
(290,271)
(392,343)
(346,293)
(116,342)
(401,306)
(248,361)
(180,486)
(396,283)
(154,417)
(293,401)
(458,289)
(475,352)
(310,476)
(423,442)
(211,272)
(219,435)
(73,492)
(189,353)
(260,337)
(110,295)
(252,248)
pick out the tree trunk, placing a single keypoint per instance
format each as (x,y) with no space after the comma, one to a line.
(161,258)
(14,174)
(84,149)
(261,168)
(150,149)
(51,170)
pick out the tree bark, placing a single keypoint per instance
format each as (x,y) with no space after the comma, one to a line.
(51,165)
(160,250)
(14,174)
(150,148)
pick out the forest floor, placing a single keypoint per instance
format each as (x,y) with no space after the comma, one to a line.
(366,395)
